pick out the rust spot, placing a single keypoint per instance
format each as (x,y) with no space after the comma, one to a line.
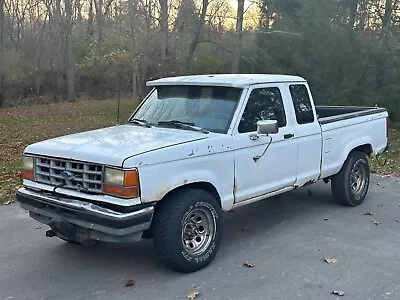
(234,189)
(309,182)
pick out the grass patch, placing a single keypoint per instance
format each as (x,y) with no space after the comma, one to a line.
(392,166)
(22,126)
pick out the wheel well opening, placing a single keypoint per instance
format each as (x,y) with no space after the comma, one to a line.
(367,149)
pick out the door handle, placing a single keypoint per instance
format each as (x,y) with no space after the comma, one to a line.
(288,136)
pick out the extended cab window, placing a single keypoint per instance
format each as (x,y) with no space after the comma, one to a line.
(263,104)
(301,103)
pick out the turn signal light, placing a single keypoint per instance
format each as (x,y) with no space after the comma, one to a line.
(27,174)
(124,192)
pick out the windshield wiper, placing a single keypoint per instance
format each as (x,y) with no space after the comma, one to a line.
(140,122)
(182,125)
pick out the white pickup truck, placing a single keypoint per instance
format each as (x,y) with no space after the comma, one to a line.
(197,146)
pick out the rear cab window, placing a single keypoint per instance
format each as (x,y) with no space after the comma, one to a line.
(302,104)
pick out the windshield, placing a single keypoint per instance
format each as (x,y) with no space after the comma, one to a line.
(208,107)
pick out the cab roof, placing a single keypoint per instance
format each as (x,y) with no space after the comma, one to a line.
(229,80)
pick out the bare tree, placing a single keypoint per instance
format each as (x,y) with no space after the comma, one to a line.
(388,14)
(238,37)
(352,4)
(164,28)
(199,32)
(69,56)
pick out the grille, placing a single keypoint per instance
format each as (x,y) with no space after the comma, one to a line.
(84,177)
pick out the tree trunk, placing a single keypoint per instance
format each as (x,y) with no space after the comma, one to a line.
(68,45)
(164,28)
(59,32)
(353,4)
(90,18)
(100,25)
(178,28)
(388,14)
(239,26)
(199,32)
(2,67)
(133,11)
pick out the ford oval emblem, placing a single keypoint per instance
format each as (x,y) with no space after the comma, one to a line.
(66,174)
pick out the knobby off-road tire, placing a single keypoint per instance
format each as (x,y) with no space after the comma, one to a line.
(350,185)
(187,230)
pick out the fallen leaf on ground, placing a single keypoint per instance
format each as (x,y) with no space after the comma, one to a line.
(376,222)
(8,202)
(130,282)
(249,264)
(339,293)
(38,227)
(193,294)
(397,220)
(325,219)
(330,260)
(246,228)
(368,214)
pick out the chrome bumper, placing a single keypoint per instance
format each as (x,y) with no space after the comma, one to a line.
(72,217)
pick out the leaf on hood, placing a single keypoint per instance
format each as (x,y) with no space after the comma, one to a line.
(130,283)
(249,264)
(368,214)
(330,260)
(193,294)
(339,293)
(376,222)
(309,193)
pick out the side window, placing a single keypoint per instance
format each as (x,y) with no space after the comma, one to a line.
(263,104)
(301,103)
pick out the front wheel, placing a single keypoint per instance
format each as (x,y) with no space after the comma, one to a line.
(350,185)
(187,230)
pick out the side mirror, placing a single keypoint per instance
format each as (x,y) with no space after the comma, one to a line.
(267,127)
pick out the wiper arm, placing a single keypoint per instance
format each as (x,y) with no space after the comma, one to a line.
(140,122)
(176,122)
(183,125)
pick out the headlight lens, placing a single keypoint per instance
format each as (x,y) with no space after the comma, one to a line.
(114,176)
(27,168)
(121,183)
(27,163)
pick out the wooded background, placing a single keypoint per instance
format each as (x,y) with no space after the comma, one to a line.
(60,50)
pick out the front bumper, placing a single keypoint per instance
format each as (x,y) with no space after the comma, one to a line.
(82,221)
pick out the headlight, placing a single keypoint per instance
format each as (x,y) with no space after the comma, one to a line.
(121,183)
(27,168)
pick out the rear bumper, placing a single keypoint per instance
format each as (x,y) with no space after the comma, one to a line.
(73,218)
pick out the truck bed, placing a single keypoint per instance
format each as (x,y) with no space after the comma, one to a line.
(329,114)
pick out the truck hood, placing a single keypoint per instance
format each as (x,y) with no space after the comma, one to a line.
(112,145)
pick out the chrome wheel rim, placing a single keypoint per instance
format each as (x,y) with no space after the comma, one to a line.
(198,231)
(358,177)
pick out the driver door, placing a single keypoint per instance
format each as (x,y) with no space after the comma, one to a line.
(276,169)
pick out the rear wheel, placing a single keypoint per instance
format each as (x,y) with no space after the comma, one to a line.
(350,185)
(187,230)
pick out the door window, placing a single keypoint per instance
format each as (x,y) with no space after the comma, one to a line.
(263,104)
